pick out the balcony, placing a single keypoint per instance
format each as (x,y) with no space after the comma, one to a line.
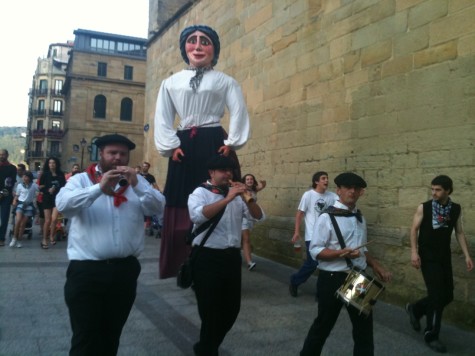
(39,112)
(41,92)
(38,133)
(55,133)
(36,154)
(56,92)
(55,113)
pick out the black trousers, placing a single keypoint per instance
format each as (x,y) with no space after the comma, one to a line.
(5,208)
(329,307)
(217,285)
(440,292)
(99,296)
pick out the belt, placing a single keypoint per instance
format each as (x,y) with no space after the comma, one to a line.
(108,261)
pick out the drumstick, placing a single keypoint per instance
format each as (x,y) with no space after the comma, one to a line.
(356,248)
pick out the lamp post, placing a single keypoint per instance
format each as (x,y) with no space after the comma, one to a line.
(83,143)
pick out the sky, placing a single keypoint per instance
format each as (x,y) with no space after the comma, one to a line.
(28,27)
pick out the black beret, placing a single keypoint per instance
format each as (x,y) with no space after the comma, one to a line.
(114,138)
(349,179)
(221,162)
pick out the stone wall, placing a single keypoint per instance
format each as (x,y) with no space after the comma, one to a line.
(384,88)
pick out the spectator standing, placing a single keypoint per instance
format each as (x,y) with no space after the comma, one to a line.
(312,204)
(51,181)
(23,202)
(253,186)
(8,173)
(431,232)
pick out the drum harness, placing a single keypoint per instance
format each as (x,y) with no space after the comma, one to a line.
(339,236)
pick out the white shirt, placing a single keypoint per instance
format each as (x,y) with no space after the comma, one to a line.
(98,229)
(228,231)
(26,195)
(203,108)
(313,204)
(354,235)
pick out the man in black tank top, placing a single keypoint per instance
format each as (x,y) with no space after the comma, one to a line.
(432,227)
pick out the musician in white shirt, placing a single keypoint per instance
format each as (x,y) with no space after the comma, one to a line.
(217,264)
(106,205)
(335,262)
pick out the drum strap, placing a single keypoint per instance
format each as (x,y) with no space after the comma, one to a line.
(340,238)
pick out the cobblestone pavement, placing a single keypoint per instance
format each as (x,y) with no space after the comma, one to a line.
(164,320)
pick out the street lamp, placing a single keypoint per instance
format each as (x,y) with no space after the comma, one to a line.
(83,143)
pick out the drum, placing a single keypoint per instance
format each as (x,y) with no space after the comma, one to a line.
(360,290)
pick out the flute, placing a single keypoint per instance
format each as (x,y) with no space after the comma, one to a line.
(246,196)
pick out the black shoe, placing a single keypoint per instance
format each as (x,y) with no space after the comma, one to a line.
(416,325)
(293,290)
(436,345)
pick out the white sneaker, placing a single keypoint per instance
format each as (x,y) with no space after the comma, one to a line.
(13,242)
(251,266)
(19,245)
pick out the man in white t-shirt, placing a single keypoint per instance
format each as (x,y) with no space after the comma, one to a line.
(312,204)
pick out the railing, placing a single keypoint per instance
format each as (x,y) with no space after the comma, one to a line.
(56,92)
(39,112)
(41,92)
(36,154)
(38,133)
(55,113)
(55,133)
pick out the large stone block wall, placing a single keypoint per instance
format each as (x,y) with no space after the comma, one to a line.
(384,88)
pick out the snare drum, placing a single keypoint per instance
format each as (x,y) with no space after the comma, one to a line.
(360,290)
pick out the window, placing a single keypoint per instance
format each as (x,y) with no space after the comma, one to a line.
(126,109)
(101,45)
(58,87)
(41,107)
(39,125)
(56,125)
(43,87)
(57,107)
(55,148)
(38,146)
(102,69)
(100,103)
(94,152)
(128,73)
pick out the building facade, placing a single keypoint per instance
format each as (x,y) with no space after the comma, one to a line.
(45,126)
(104,93)
(382,88)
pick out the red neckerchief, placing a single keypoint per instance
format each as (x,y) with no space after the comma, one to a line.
(95,177)
(6,163)
(215,189)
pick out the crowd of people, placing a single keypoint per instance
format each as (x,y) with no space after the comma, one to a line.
(110,205)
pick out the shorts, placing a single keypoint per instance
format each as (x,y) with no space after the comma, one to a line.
(48,201)
(27,209)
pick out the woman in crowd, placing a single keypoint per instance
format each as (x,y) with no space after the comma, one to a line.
(51,181)
(198,95)
(253,186)
(23,202)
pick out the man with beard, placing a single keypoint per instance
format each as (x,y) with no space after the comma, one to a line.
(105,205)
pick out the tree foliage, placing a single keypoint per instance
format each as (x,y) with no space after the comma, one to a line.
(11,139)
